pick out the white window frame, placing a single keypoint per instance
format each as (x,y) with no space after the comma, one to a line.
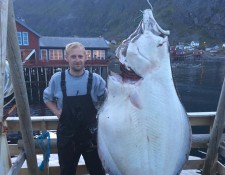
(19,37)
(25,38)
(55,53)
(46,53)
(100,54)
(88,53)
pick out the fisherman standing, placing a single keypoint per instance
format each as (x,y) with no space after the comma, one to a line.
(74,96)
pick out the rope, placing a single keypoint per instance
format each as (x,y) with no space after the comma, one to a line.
(46,152)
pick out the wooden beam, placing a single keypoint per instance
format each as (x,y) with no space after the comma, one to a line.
(55,170)
(20,92)
(220,168)
(221,150)
(3,51)
(194,164)
(198,141)
(201,119)
(216,135)
(15,169)
(5,162)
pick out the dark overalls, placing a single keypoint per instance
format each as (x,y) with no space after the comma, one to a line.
(77,131)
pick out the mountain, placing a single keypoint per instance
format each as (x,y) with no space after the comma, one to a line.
(202,20)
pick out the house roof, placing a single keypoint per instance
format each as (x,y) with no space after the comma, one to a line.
(61,42)
(24,24)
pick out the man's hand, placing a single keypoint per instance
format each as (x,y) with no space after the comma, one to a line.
(52,106)
(58,113)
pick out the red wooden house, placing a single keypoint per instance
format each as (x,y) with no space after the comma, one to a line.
(42,51)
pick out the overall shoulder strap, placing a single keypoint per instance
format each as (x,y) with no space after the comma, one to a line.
(63,83)
(89,85)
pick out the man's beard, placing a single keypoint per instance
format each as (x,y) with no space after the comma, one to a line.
(77,68)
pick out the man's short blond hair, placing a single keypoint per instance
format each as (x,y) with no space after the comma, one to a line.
(73,45)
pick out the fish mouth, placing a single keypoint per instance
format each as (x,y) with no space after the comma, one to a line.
(128,75)
(125,75)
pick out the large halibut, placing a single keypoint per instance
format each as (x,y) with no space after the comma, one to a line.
(143,128)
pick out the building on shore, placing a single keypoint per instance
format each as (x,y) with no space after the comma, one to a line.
(42,56)
(47,51)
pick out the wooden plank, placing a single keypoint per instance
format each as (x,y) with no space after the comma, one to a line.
(81,170)
(201,114)
(14,170)
(201,121)
(201,118)
(221,150)
(194,164)
(15,149)
(55,170)
(198,141)
(52,121)
(3,51)
(20,92)
(202,140)
(220,168)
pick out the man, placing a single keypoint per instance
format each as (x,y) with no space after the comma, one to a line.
(73,96)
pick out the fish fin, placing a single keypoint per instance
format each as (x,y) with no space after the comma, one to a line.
(135,100)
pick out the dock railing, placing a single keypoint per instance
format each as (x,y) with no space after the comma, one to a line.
(45,123)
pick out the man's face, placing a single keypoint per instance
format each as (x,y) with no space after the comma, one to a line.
(76,58)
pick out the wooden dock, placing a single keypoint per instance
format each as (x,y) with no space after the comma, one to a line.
(44,123)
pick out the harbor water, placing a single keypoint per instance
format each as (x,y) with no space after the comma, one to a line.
(198,83)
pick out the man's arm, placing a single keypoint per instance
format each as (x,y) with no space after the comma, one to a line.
(52,106)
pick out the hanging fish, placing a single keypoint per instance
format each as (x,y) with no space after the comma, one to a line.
(142,126)
(8,86)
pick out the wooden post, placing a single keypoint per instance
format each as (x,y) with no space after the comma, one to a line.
(20,92)
(3,51)
(216,135)
(5,162)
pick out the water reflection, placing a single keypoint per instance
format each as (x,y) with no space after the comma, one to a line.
(199,83)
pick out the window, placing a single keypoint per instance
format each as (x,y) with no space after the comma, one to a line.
(99,55)
(55,54)
(88,54)
(25,38)
(19,38)
(43,54)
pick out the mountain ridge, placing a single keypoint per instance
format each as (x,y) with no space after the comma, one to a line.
(202,20)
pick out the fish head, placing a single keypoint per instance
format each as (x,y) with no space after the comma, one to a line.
(147,50)
(147,54)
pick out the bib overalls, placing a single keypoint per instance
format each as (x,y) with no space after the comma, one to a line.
(76,133)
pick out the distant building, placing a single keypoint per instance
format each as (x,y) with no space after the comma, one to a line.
(47,51)
(194,43)
(212,49)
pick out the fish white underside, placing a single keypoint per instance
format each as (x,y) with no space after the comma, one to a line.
(143,128)
(4,156)
(151,140)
